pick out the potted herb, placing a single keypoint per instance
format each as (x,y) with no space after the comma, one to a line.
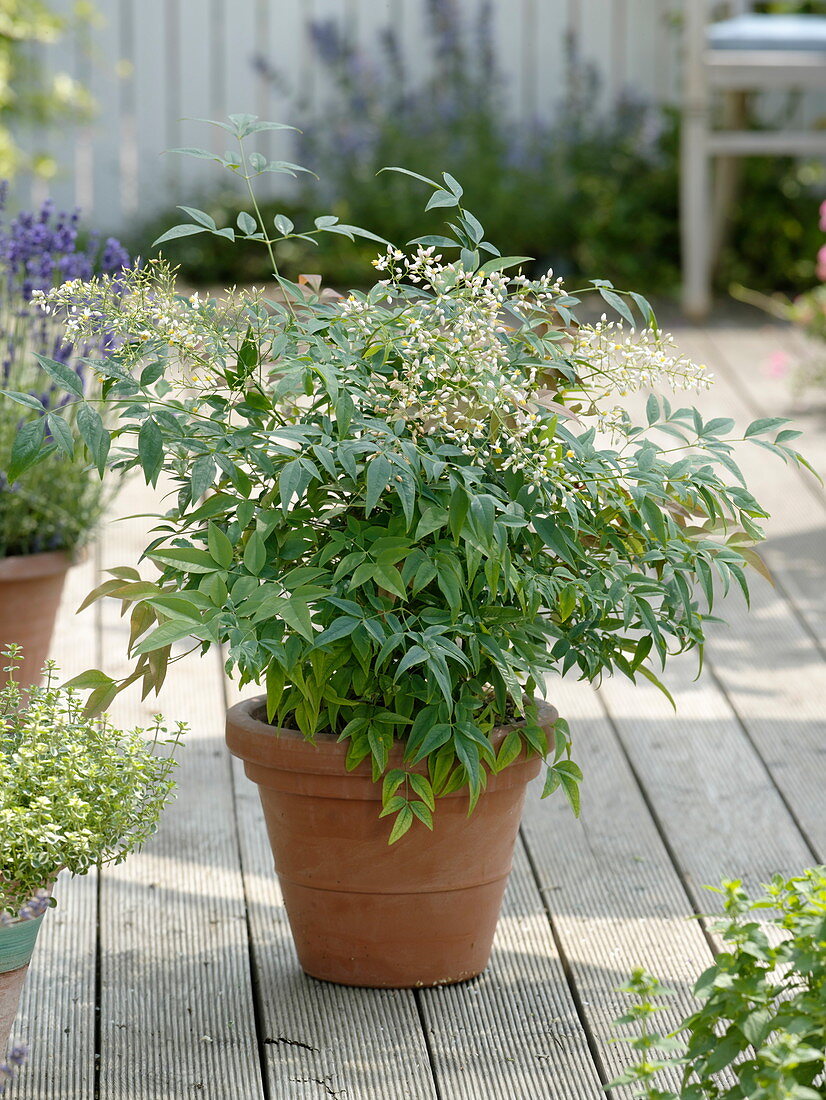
(47,512)
(75,793)
(399,513)
(759,1031)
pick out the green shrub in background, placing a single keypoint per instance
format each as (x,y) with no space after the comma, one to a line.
(594,194)
(760,1030)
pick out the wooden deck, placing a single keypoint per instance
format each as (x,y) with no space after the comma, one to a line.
(173,976)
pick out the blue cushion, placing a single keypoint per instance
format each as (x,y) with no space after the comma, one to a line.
(769,32)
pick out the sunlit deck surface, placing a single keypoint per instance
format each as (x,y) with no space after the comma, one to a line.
(174,976)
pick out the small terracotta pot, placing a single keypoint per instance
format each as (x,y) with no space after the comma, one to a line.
(17,942)
(422,912)
(30,589)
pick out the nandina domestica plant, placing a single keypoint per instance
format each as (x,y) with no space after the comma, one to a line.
(402,509)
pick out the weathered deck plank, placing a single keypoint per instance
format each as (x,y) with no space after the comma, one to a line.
(716,804)
(57,1010)
(796,546)
(358,1044)
(176,1014)
(354,1043)
(769,662)
(612,892)
(514,1032)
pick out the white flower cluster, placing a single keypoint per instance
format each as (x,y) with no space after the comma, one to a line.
(135,308)
(452,373)
(612,359)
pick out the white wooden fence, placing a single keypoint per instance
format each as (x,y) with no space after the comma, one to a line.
(153,64)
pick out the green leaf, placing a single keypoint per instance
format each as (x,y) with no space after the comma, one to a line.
(453,184)
(613,299)
(763,425)
(338,629)
(289,482)
(379,471)
(441,198)
(283,224)
(421,786)
(296,614)
(164,635)
(63,375)
(202,476)
(150,450)
(178,231)
(404,820)
(434,240)
(95,436)
(499,263)
(435,737)
(61,433)
(220,546)
(92,678)
(26,449)
(509,750)
(407,172)
(548,530)
(255,553)
(186,560)
(389,578)
(25,399)
(246,223)
(199,216)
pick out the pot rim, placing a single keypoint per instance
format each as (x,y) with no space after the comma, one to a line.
(324,756)
(22,567)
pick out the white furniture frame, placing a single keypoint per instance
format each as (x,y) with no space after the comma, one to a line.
(731,72)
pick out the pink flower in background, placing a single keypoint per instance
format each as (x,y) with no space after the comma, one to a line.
(821,264)
(777,365)
(823,215)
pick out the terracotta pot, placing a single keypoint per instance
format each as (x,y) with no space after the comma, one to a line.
(17,942)
(422,912)
(30,590)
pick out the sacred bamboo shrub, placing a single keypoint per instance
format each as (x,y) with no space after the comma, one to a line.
(402,509)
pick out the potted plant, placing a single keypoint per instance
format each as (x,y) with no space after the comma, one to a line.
(47,512)
(75,793)
(400,512)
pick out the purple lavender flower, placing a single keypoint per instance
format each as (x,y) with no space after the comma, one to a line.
(39,250)
(15,1060)
(35,907)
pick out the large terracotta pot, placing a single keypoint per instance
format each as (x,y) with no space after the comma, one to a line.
(17,942)
(422,912)
(30,590)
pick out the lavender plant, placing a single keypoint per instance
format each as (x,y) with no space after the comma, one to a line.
(402,511)
(74,793)
(55,506)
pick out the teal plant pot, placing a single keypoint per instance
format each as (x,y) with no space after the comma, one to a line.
(17,942)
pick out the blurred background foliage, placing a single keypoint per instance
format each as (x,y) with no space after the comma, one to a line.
(27,97)
(593,194)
